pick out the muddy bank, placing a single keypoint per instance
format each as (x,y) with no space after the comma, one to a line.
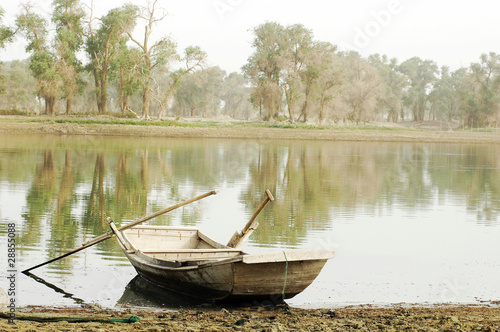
(443,318)
(250,132)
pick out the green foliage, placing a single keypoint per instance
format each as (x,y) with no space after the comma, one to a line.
(103,45)
(42,65)
(34,28)
(485,99)
(236,97)
(287,126)
(12,111)
(421,75)
(200,93)
(6,33)
(19,86)
(131,122)
(263,69)
(68,16)
(395,84)
(125,70)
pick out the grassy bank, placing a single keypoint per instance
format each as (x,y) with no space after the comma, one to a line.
(193,123)
(242,130)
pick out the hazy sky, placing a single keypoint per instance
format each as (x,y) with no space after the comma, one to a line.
(453,33)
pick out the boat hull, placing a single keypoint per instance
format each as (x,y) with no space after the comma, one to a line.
(274,281)
(213,282)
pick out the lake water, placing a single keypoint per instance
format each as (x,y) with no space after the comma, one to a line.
(413,223)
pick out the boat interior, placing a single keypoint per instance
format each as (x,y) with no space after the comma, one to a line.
(178,244)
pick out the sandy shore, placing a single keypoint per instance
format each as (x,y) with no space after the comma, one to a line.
(251,132)
(442,318)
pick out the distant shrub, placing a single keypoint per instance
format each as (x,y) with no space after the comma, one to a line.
(12,111)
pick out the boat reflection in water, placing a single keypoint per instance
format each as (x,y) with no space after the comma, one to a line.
(141,293)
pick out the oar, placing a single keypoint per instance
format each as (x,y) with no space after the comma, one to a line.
(238,238)
(110,234)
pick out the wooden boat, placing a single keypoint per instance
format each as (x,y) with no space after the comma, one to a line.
(185,260)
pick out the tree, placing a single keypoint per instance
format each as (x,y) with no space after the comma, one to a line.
(6,36)
(485,77)
(6,33)
(421,75)
(68,17)
(264,68)
(322,78)
(126,69)
(211,85)
(193,58)
(391,100)
(19,87)
(154,56)
(236,96)
(289,65)
(444,97)
(200,93)
(187,98)
(461,82)
(103,44)
(297,43)
(42,61)
(362,89)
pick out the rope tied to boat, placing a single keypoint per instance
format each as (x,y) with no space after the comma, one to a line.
(51,319)
(286,274)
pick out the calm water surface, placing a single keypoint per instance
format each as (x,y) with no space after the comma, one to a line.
(416,223)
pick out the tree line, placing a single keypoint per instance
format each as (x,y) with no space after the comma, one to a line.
(293,74)
(290,76)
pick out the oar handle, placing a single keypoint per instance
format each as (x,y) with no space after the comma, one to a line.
(238,238)
(259,209)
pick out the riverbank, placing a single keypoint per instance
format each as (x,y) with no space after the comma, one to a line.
(399,133)
(396,318)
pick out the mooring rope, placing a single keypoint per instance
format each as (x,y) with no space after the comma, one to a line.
(51,319)
(286,274)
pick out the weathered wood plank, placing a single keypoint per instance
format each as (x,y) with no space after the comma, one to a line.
(168,228)
(210,241)
(247,234)
(292,255)
(119,236)
(191,251)
(269,278)
(154,238)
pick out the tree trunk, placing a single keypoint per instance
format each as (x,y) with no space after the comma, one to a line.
(321,108)
(50,105)
(124,103)
(69,107)
(303,112)
(103,92)
(146,97)
(53,105)
(290,103)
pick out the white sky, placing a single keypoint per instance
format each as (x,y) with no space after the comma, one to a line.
(453,33)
